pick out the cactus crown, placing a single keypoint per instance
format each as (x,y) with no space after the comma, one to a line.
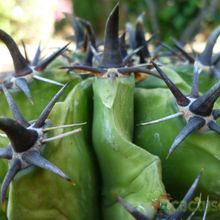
(112,61)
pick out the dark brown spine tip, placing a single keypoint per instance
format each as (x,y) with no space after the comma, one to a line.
(44,114)
(140,38)
(6,153)
(112,54)
(21,83)
(214,127)
(195,81)
(204,104)
(137,71)
(97,56)
(128,58)
(87,61)
(174,52)
(21,138)
(134,212)
(37,55)
(206,56)
(216,59)
(78,31)
(216,113)
(123,46)
(193,124)
(25,52)
(181,99)
(15,166)
(44,63)
(215,71)
(14,109)
(140,23)
(131,35)
(20,64)
(183,51)
(83,68)
(90,31)
(34,158)
(182,207)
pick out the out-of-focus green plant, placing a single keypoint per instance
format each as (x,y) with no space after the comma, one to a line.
(94,12)
(180,18)
(173,16)
(178,14)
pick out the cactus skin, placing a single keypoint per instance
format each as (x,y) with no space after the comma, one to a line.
(200,150)
(126,169)
(37,88)
(34,191)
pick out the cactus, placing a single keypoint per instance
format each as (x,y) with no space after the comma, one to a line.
(122,112)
